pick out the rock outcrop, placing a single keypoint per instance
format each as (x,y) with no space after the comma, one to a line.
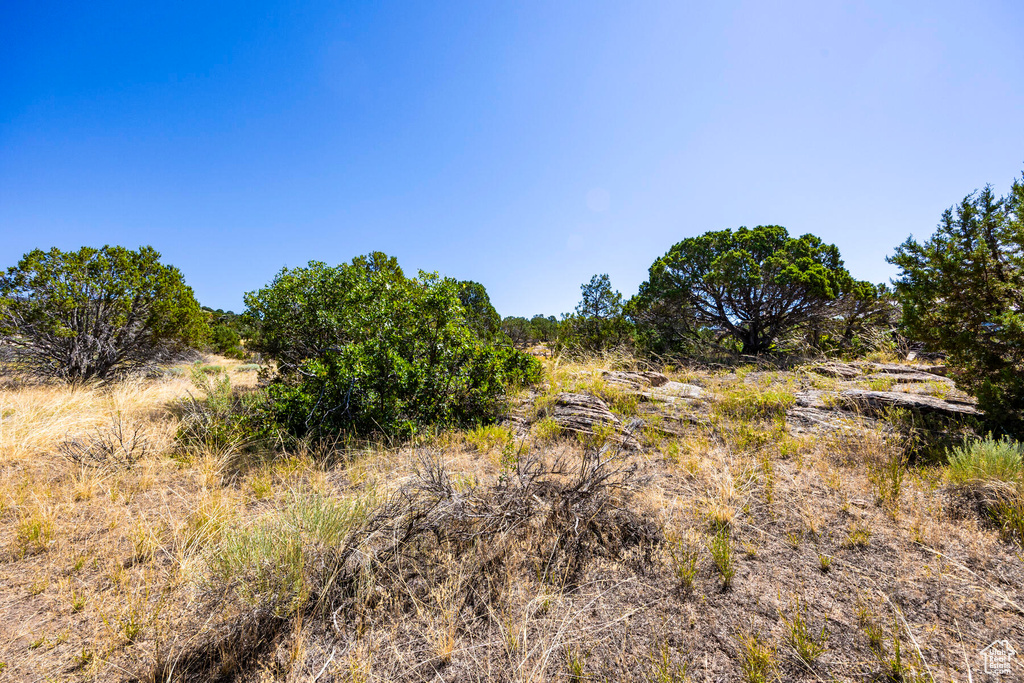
(634,380)
(874,402)
(653,386)
(909,377)
(837,370)
(838,410)
(581,413)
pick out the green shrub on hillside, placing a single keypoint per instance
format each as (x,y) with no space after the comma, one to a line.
(361,348)
(987,459)
(226,341)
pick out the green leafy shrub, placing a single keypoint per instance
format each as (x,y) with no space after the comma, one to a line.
(219,421)
(226,341)
(96,313)
(361,348)
(987,459)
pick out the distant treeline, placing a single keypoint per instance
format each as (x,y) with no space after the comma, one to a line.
(100,313)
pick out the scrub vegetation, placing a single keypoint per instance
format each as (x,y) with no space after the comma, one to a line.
(738,474)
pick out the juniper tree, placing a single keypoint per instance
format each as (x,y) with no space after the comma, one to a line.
(96,313)
(962,292)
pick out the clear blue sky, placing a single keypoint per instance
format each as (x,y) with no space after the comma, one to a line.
(527,146)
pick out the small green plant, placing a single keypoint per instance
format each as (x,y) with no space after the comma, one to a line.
(824,562)
(748,402)
(683,554)
(881,383)
(261,484)
(84,658)
(575,663)
(510,455)
(77,601)
(859,535)
(758,659)
(210,369)
(887,477)
(720,547)
(1008,515)
(868,624)
(488,437)
(546,429)
(991,471)
(663,669)
(624,404)
(768,473)
(265,563)
(794,537)
(896,665)
(131,624)
(34,533)
(807,645)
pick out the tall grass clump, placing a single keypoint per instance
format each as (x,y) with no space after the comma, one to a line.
(989,473)
(268,564)
(747,402)
(987,459)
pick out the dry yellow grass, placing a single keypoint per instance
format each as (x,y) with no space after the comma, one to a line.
(109,573)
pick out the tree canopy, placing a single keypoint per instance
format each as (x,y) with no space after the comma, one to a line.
(480,313)
(962,292)
(363,348)
(752,285)
(95,313)
(598,321)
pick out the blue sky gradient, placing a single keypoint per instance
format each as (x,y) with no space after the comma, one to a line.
(524,145)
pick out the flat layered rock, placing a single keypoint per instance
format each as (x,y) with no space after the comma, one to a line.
(636,380)
(581,413)
(873,402)
(675,390)
(898,369)
(909,377)
(837,370)
(804,419)
(812,399)
(653,386)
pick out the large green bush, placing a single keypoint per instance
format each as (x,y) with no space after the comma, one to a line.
(962,292)
(96,313)
(226,341)
(480,313)
(361,348)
